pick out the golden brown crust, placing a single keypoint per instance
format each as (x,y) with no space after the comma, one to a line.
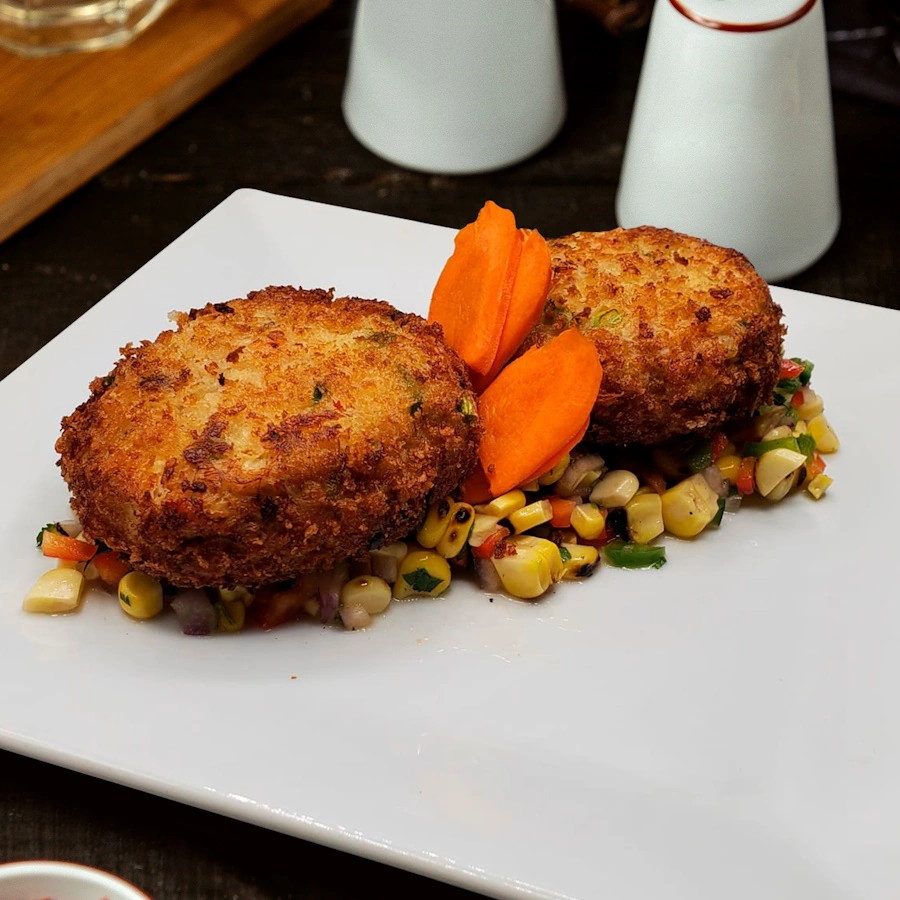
(269,436)
(687,332)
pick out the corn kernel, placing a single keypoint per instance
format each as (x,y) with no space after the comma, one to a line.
(812,404)
(504,505)
(615,488)
(454,538)
(530,487)
(826,440)
(579,560)
(56,591)
(819,485)
(369,591)
(422,573)
(140,595)
(778,433)
(531,566)
(436,521)
(689,506)
(729,465)
(645,519)
(774,466)
(230,615)
(531,516)
(554,474)
(588,520)
(239,593)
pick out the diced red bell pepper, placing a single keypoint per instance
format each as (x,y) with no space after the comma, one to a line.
(816,467)
(797,399)
(111,566)
(719,443)
(485,550)
(745,481)
(562,508)
(61,546)
(790,369)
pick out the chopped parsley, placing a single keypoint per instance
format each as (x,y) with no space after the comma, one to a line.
(421,580)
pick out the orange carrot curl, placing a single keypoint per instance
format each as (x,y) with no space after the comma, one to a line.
(491,291)
(534,412)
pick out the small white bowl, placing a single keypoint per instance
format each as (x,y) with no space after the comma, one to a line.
(47,880)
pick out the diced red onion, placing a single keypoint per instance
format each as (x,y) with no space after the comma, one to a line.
(355,617)
(330,584)
(488,579)
(716,480)
(733,504)
(195,612)
(570,483)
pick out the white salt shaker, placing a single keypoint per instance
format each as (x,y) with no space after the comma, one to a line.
(454,86)
(732,135)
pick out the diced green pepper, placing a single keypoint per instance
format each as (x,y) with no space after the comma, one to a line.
(717,520)
(806,374)
(757,448)
(806,444)
(628,555)
(701,457)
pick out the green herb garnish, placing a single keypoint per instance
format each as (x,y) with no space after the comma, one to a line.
(421,580)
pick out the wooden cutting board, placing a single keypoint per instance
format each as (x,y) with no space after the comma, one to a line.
(65,118)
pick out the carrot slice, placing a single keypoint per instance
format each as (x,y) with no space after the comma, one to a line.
(529,294)
(537,408)
(472,295)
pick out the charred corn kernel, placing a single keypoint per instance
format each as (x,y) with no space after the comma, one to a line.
(645,519)
(776,434)
(615,488)
(774,466)
(819,485)
(554,474)
(422,573)
(531,516)
(530,486)
(812,404)
(230,615)
(783,488)
(457,532)
(529,567)
(689,506)
(235,594)
(826,440)
(436,521)
(140,595)
(369,591)
(504,505)
(729,465)
(386,560)
(56,591)
(588,520)
(579,560)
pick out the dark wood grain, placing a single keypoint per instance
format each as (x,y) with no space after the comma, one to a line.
(277,126)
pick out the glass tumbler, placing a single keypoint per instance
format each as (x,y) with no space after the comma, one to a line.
(44,27)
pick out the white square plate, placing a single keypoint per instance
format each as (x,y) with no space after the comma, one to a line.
(725,727)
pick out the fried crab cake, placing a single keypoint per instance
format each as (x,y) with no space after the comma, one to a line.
(269,436)
(687,332)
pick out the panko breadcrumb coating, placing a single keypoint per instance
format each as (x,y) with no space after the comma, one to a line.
(687,332)
(269,436)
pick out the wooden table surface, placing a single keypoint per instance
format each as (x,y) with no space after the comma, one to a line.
(277,126)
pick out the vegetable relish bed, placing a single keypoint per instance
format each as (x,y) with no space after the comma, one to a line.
(544,503)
